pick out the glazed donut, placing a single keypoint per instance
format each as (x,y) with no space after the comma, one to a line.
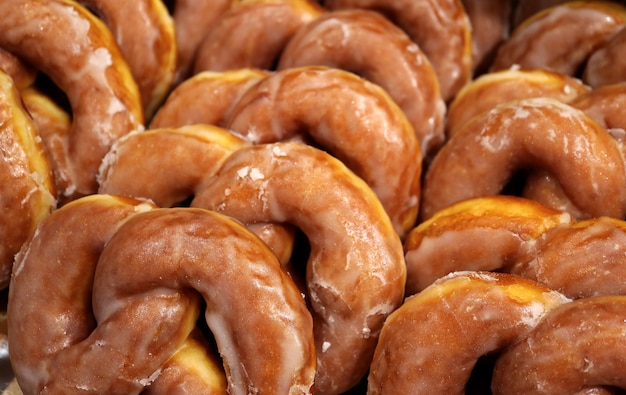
(562,37)
(143,265)
(355,275)
(491,89)
(390,60)
(206,98)
(575,347)
(491,25)
(23,75)
(580,260)
(527,8)
(348,116)
(144,165)
(442,30)
(91,71)
(606,65)
(253,33)
(53,124)
(453,239)
(28,194)
(192,21)
(482,157)
(431,343)
(144,31)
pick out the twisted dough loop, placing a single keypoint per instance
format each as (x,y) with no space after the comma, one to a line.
(431,343)
(538,133)
(390,60)
(28,194)
(150,311)
(370,134)
(355,271)
(92,72)
(576,346)
(441,29)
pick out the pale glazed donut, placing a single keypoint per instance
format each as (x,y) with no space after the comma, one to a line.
(491,25)
(537,133)
(431,343)
(192,21)
(355,271)
(206,97)
(489,89)
(144,31)
(390,59)
(454,239)
(606,65)
(83,59)
(28,190)
(348,116)
(574,347)
(143,259)
(252,34)
(23,75)
(562,37)
(441,29)
(580,260)
(170,166)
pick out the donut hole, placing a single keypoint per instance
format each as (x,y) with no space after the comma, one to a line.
(479,382)
(52,91)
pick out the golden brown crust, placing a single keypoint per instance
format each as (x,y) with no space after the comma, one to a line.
(390,59)
(351,118)
(431,343)
(441,29)
(28,190)
(576,346)
(355,272)
(561,38)
(206,98)
(144,306)
(454,239)
(482,158)
(253,33)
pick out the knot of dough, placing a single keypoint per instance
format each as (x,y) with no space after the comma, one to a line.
(355,272)
(143,269)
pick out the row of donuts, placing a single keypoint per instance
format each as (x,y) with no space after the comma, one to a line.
(256,172)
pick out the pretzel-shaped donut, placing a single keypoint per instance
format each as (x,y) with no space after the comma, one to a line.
(205,98)
(144,31)
(335,39)
(453,239)
(575,348)
(252,34)
(91,71)
(572,31)
(355,271)
(541,133)
(431,343)
(370,133)
(142,264)
(441,29)
(28,194)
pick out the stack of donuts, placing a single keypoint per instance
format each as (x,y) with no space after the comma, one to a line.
(300,197)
